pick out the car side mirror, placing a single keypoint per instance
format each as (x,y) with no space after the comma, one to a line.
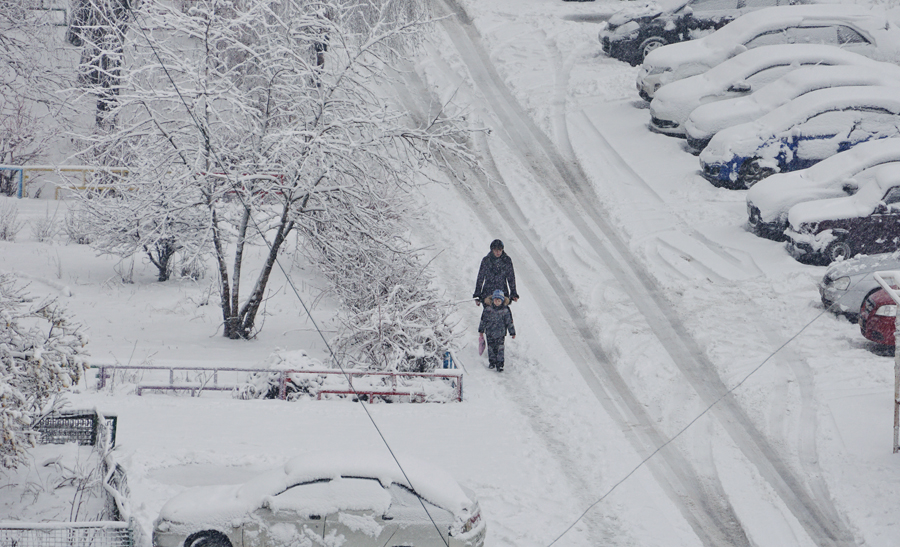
(738,49)
(740,87)
(850,188)
(881,208)
(688,10)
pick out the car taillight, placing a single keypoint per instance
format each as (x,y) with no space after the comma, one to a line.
(472,523)
(889,310)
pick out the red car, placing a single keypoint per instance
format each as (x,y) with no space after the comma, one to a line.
(877,318)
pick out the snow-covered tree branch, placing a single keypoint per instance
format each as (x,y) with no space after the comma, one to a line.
(234,106)
(41,350)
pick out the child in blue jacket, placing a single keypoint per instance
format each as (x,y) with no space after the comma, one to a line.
(496,321)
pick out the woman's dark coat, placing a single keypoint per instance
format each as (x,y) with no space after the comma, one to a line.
(495,272)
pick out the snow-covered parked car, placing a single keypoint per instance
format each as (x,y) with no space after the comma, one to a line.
(357,499)
(867,222)
(847,283)
(741,75)
(878,317)
(636,30)
(708,119)
(769,200)
(855,28)
(801,133)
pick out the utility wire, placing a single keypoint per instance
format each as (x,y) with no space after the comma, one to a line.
(694,420)
(287,276)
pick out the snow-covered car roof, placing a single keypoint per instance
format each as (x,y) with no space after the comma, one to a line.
(708,119)
(688,92)
(728,40)
(224,504)
(746,138)
(631,12)
(776,193)
(858,205)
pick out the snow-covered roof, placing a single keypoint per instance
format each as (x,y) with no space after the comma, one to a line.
(728,40)
(857,166)
(678,99)
(224,504)
(747,137)
(708,119)
(861,204)
(630,12)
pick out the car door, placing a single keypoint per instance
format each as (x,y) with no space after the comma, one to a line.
(288,518)
(872,123)
(415,526)
(363,518)
(887,231)
(819,137)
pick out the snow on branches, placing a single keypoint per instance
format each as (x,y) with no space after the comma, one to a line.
(268,114)
(41,352)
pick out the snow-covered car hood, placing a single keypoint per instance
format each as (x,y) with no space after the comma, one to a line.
(862,204)
(863,265)
(745,139)
(697,55)
(225,504)
(774,195)
(708,119)
(677,100)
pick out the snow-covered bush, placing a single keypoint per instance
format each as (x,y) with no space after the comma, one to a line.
(41,350)
(45,228)
(392,319)
(9,221)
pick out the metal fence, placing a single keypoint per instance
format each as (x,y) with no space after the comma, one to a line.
(67,534)
(78,426)
(367,385)
(88,428)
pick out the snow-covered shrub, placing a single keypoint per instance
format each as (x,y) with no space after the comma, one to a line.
(393,318)
(265,384)
(45,228)
(41,352)
(77,226)
(9,221)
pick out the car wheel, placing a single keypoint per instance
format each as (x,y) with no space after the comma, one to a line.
(207,538)
(650,44)
(752,172)
(837,250)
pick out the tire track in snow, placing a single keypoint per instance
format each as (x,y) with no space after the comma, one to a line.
(702,504)
(815,514)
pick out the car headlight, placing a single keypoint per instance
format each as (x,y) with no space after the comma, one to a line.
(840,283)
(887,311)
(659,70)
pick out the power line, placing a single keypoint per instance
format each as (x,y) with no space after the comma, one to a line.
(234,186)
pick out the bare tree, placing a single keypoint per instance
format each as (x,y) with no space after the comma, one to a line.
(228,100)
(32,110)
(41,352)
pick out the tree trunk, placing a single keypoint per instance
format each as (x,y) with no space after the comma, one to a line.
(251,307)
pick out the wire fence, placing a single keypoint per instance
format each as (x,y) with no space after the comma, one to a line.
(118,529)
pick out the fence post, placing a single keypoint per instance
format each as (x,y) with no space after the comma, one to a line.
(883,279)
(21,190)
(282,385)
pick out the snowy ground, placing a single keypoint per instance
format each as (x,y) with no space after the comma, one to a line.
(644,300)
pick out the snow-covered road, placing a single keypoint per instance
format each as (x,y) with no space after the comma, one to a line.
(644,301)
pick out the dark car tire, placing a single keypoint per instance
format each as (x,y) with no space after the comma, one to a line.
(752,172)
(207,538)
(650,44)
(838,249)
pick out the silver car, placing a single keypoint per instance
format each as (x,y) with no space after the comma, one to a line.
(354,498)
(847,283)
